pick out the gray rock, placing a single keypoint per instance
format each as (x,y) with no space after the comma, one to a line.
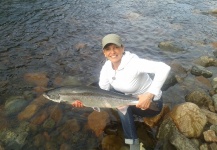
(171,46)
(166,130)
(15,138)
(200,98)
(214,128)
(201,71)
(214,97)
(206,61)
(181,142)
(14,105)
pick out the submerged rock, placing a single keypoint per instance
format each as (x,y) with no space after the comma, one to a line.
(171,46)
(206,61)
(14,105)
(39,79)
(97,121)
(199,70)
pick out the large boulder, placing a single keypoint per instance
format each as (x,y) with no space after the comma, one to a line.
(189,119)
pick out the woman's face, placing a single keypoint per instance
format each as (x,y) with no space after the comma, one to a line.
(113,53)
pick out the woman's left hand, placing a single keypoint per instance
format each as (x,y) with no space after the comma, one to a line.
(145,100)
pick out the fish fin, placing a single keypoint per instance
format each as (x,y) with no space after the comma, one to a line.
(96,109)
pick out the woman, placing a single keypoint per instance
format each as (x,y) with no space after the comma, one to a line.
(127,73)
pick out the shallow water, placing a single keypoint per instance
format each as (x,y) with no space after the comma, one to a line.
(63,37)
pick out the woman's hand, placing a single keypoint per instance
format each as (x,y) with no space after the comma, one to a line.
(145,100)
(77,103)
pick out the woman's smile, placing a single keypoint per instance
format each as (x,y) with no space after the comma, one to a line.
(114,53)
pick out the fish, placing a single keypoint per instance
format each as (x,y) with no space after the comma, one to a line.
(92,97)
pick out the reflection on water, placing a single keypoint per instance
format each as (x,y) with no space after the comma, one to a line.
(59,40)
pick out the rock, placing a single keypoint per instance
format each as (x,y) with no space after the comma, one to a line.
(56,113)
(97,121)
(214,81)
(201,99)
(210,136)
(71,126)
(170,46)
(212,117)
(14,105)
(154,121)
(189,119)
(28,112)
(70,80)
(51,145)
(206,61)
(166,130)
(213,146)
(214,84)
(214,128)
(214,97)
(32,108)
(49,124)
(65,146)
(40,117)
(146,136)
(39,140)
(170,81)
(15,138)
(39,90)
(29,95)
(204,147)
(181,142)
(178,69)
(39,79)
(112,142)
(199,70)
(206,82)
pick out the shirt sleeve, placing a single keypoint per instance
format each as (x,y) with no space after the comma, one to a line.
(160,71)
(103,79)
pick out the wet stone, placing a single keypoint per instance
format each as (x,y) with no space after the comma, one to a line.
(189,119)
(211,116)
(14,105)
(210,136)
(97,121)
(49,124)
(199,70)
(206,61)
(39,79)
(181,142)
(170,46)
(200,98)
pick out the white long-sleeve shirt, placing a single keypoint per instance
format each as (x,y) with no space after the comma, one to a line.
(132,76)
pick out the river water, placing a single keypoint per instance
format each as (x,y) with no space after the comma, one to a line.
(46,36)
(63,37)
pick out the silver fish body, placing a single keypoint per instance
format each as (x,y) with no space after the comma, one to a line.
(92,97)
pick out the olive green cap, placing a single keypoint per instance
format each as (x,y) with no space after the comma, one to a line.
(111,38)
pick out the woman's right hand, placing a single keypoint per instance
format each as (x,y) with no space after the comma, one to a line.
(77,103)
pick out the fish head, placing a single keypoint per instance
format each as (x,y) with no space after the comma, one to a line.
(52,96)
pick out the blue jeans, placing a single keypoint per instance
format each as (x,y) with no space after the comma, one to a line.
(128,124)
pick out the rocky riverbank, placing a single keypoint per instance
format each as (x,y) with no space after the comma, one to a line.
(30,121)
